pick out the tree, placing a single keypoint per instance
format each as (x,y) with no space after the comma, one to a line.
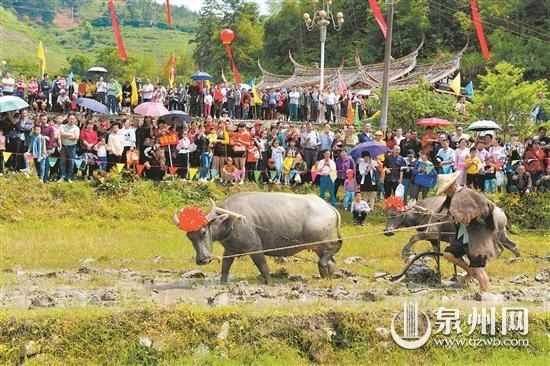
(109,58)
(506,98)
(79,65)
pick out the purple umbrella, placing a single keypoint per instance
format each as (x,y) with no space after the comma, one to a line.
(92,105)
(374,149)
(151,109)
(184,117)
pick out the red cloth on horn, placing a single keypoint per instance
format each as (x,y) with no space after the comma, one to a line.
(192,219)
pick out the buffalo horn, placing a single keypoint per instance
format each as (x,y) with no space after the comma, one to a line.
(176,219)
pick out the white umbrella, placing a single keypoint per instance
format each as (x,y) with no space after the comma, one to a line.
(364,92)
(244,86)
(97,70)
(484,126)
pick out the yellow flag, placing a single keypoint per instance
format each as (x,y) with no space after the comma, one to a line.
(119,167)
(192,173)
(6,156)
(134,97)
(257,99)
(42,57)
(207,83)
(455,84)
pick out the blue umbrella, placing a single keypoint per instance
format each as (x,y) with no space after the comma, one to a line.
(199,75)
(184,117)
(374,149)
(11,103)
(92,105)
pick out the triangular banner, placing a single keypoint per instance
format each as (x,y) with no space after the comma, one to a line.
(6,156)
(192,173)
(333,176)
(78,163)
(273,174)
(213,173)
(52,161)
(292,174)
(140,168)
(29,157)
(119,167)
(172,170)
(257,174)
(313,175)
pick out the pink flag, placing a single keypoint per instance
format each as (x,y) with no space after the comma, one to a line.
(341,84)
(313,175)
(378,16)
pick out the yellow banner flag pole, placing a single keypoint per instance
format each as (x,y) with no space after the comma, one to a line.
(42,56)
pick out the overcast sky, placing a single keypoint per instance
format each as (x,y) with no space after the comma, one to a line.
(196,4)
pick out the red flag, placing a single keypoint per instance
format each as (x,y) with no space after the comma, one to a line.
(171,63)
(479,31)
(116,30)
(379,17)
(233,66)
(168,15)
(172,170)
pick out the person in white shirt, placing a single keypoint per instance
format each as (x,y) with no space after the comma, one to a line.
(8,83)
(208,101)
(147,91)
(330,100)
(63,101)
(129,133)
(325,168)
(293,98)
(101,90)
(399,136)
(359,209)
(115,146)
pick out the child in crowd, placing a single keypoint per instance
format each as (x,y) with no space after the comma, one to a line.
(299,170)
(230,174)
(292,149)
(101,152)
(2,149)
(359,209)
(277,153)
(472,164)
(37,148)
(489,175)
(288,162)
(252,158)
(271,172)
(350,186)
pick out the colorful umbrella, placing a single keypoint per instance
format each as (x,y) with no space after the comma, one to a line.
(484,126)
(11,103)
(151,109)
(184,117)
(199,75)
(434,122)
(92,105)
(374,149)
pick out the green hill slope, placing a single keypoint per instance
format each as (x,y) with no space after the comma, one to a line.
(19,42)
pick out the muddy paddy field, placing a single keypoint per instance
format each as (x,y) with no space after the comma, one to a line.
(100,276)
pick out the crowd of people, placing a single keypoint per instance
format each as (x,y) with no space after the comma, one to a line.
(199,99)
(265,152)
(59,139)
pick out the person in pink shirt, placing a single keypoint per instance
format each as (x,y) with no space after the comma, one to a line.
(32,90)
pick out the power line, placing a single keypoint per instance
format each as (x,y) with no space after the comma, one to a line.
(518,23)
(518,34)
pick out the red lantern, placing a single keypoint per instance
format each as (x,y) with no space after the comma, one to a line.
(227,36)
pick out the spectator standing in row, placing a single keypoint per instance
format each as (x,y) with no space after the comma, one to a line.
(325,168)
(69,135)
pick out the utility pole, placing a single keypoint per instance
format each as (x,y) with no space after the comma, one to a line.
(386,77)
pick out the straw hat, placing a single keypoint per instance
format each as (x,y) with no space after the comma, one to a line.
(444,181)
(378,133)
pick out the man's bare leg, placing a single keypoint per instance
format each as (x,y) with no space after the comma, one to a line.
(460,262)
(482,278)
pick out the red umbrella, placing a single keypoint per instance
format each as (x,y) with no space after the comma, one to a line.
(434,122)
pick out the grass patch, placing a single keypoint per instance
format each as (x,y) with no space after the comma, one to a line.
(184,335)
